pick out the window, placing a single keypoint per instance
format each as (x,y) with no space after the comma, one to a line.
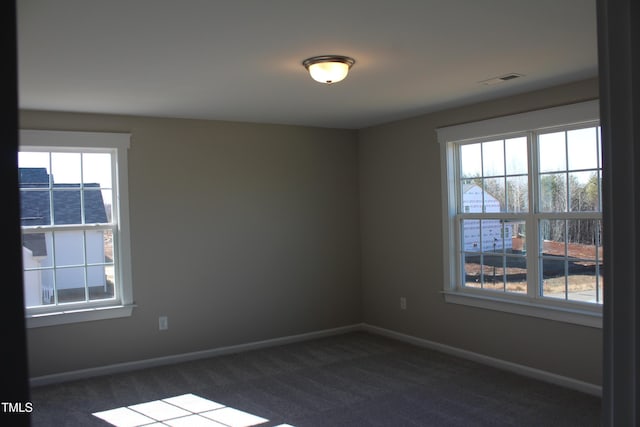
(522,199)
(74,220)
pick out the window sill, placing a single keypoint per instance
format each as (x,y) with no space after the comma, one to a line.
(573,315)
(76,316)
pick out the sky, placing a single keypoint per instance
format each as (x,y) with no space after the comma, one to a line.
(580,146)
(69,168)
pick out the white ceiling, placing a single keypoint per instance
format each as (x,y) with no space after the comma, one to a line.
(241,60)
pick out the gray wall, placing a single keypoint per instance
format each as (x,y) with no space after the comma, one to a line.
(239,233)
(244,232)
(401,240)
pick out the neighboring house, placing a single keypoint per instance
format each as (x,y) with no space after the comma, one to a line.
(35,209)
(493,236)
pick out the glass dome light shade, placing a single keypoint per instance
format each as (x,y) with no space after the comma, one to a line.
(328,72)
(327,69)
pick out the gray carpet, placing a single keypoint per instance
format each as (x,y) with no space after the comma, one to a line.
(355,379)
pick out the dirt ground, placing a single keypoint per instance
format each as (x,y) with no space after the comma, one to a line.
(581,269)
(574,250)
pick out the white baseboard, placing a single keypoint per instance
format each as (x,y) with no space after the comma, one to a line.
(454,351)
(185,357)
(527,371)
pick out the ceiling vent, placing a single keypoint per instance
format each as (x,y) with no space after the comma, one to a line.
(501,79)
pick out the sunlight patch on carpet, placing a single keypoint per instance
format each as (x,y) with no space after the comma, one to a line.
(178,411)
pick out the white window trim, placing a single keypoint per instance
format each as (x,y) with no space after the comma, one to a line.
(123,306)
(580,314)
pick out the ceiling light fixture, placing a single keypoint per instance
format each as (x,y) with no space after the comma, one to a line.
(328,68)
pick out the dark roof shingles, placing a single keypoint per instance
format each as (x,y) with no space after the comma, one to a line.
(35,204)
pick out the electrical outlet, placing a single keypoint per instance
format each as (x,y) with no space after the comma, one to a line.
(163,323)
(403,303)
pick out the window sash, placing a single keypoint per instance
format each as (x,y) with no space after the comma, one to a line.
(116,145)
(530,219)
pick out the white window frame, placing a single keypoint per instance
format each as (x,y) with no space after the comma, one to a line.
(118,144)
(584,113)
